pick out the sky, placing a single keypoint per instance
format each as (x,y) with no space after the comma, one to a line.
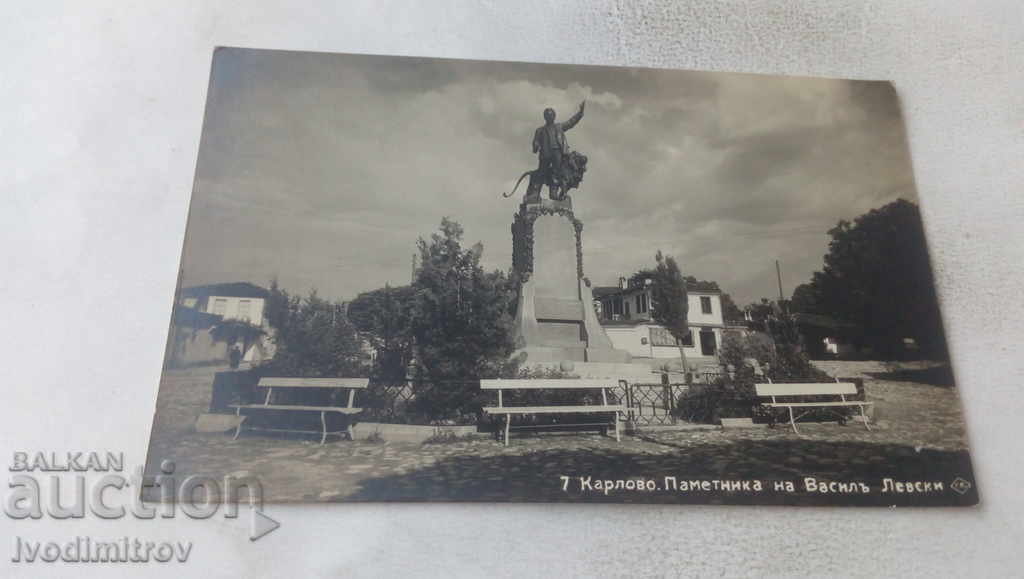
(323,170)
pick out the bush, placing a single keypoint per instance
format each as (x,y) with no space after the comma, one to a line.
(448,401)
(735,397)
(548,397)
(447,437)
(460,319)
(313,338)
(707,403)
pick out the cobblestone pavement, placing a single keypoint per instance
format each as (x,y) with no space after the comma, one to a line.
(918,435)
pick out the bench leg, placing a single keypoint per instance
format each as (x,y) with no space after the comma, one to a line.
(617,437)
(508,424)
(792,421)
(351,432)
(323,424)
(864,417)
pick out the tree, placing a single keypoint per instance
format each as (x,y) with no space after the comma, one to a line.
(806,299)
(313,337)
(774,319)
(670,305)
(383,317)
(877,275)
(730,311)
(232,332)
(461,321)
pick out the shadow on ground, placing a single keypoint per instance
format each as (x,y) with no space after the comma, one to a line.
(941,376)
(537,476)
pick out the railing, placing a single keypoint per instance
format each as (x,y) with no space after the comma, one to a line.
(386,400)
(648,404)
(652,404)
(710,374)
(389,401)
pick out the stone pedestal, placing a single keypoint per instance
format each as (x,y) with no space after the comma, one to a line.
(555,318)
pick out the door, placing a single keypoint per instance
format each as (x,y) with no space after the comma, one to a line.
(708,345)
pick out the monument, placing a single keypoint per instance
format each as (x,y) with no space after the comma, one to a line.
(555,317)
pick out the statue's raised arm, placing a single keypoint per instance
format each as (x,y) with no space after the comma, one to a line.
(575,118)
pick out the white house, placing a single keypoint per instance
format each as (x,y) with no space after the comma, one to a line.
(625,314)
(231,301)
(200,308)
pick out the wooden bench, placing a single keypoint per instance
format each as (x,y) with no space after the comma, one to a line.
(289,384)
(833,389)
(554,384)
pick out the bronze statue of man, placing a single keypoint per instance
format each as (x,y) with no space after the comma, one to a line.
(551,146)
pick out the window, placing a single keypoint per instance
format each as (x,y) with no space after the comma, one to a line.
(641,303)
(705,305)
(220,305)
(661,337)
(617,306)
(243,309)
(687,340)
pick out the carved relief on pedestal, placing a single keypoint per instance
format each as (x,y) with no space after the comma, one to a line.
(523,235)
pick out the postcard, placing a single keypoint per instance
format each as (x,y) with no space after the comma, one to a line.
(419,279)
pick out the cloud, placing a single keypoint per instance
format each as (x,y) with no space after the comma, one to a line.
(324,169)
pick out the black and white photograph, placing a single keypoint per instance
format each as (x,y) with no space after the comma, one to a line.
(419,279)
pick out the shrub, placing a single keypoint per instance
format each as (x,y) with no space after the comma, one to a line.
(447,401)
(737,349)
(313,338)
(707,403)
(447,437)
(461,318)
(736,397)
(551,397)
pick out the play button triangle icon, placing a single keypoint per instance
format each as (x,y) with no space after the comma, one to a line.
(261,525)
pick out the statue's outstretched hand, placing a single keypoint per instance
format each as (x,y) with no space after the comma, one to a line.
(583,104)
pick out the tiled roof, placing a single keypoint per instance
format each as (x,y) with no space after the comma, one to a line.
(238,289)
(192,318)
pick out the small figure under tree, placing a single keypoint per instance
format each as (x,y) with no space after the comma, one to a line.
(232,332)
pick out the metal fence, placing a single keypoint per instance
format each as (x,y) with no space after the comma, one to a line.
(652,404)
(648,404)
(385,401)
(394,401)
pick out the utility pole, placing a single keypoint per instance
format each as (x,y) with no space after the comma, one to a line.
(412,279)
(778,274)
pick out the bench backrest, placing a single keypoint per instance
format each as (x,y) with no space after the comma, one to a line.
(806,389)
(543,384)
(552,384)
(273,382)
(270,382)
